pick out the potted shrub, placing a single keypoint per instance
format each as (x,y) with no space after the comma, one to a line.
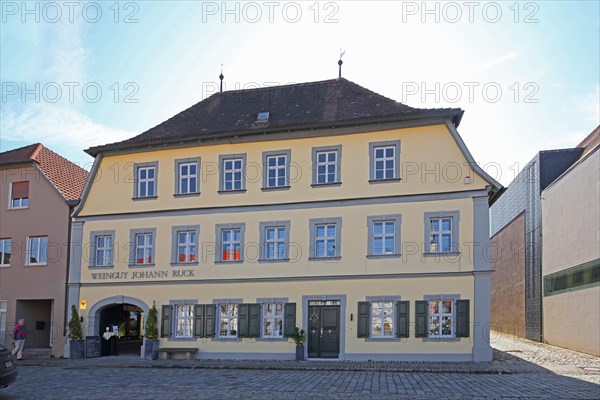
(75,334)
(299,337)
(151,334)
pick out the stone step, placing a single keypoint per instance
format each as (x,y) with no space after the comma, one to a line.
(37,353)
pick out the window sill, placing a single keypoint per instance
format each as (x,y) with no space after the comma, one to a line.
(273,261)
(275,188)
(388,180)
(442,254)
(36,265)
(181,339)
(231,339)
(144,198)
(383,256)
(442,340)
(16,208)
(230,262)
(4,265)
(326,184)
(231,191)
(383,339)
(317,259)
(273,339)
(179,195)
(141,265)
(101,266)
(184,264)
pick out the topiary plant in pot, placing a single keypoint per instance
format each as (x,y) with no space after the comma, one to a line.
(151,335)
(299,337)
(75,334)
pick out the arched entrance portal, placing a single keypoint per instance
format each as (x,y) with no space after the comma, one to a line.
(123,318)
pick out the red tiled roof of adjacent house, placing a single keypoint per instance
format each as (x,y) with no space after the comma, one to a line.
(66,176)
(303,106)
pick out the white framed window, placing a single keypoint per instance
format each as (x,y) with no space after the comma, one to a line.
(233,172)
(187,173)
(230,242)
(441,318)
(186,246)
(272,325)
(104,250)
(383,237)
(146,180)
(19,195)
(184,249)
(382,319)
(275,242)
(37,248)
(326,162)
(184,320)
(384,160)
(440,235)
(327,171)
(5,252)
(228,320)
(276,169)
(441,232)
(144,243)
(325,238)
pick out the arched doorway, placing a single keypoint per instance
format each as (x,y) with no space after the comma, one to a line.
(120,319)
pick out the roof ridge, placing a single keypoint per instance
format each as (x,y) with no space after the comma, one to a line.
(20,148)
(278,86)
(36,151)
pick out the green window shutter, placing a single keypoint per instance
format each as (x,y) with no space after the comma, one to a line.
(199,320)
(462,318)
(210,311)
(421,318)
(165,327)
(402,316)
(289,319)
(363,319)
(243,320)
(254,321)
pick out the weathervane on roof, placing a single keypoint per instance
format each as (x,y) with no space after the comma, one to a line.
(340,62)
(221,78)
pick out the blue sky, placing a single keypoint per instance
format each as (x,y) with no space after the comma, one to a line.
(527,74)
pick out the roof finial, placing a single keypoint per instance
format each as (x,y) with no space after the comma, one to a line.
(340,62)
(221,78)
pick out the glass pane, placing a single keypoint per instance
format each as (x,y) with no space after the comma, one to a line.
(388,307)
(320,230)
(377,228)
(331,169)
(330,230)
(379,174)
(148,240)
(279,308)
(446,244)
(378,153)
(223,329)
(150,173)
(388,326)
(389,245)
(389,227)
(376,326)
(184,169)
(320,248)
(193,169)
(447,306)
(281,233)
(321,157)
(389,152)
(142,173)
(434,225)
(446,326)
(378,245)
(237,235)
(150,188)
(434,326)
(389,164)
(330,248)
(446,224)
(238,164)
(376,308)
(270,250)
(434,306)
(270,233)
(331,157)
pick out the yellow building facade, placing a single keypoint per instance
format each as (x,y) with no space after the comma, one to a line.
(370,233)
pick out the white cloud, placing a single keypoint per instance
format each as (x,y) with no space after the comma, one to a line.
(58,125)
(496,61)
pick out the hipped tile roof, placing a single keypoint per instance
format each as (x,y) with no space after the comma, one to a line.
(323,104)
(66,176)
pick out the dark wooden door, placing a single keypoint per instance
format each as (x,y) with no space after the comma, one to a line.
(323,331)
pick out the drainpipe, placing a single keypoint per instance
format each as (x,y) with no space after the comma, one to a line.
(71,204)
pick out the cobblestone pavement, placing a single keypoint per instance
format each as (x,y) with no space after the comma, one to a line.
(556,374)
